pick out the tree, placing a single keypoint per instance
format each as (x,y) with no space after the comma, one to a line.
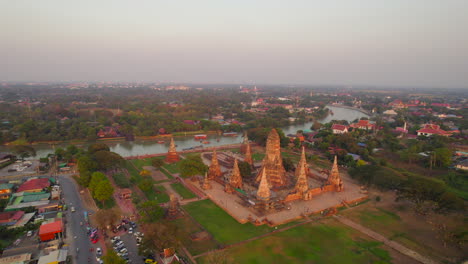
(107,160)
(150,211)
(288,164)
(191,166)
(112,257)
(103,191)
(24,151)
(146,184)
(161,235)
(107,217)
(98,147)
(96,178)
(157,163)
(443,157)
(245,169)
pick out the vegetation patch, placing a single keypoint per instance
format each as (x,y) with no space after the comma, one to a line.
(121,180)
(182,191)
(221,225)
(309,243)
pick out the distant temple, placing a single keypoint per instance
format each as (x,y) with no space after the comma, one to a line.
(172,155)
(334,178)
(214,171)
(248,155)
(273,163)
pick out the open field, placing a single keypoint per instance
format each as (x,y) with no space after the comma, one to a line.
(182,191)
(221,225)
(172,167)
(189,227)
(396,222)
(140,163)
(327,242)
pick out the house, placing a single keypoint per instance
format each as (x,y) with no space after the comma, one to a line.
(397,104)
(5,157)
(108,132)
(16,259)
(51,231)
(462,165)
(27,199)
(5,190)
(339,129)
(55,257)
(34,185)
(433,129)
(10,218)
(363,124)
(390,112)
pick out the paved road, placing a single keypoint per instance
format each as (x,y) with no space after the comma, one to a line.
(76,234)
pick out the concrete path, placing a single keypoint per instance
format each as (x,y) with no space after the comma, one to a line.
(397,246)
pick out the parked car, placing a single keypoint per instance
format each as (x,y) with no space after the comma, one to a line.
(98,252)
(73,209)
(29,233)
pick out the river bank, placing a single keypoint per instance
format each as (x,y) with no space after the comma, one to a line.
(153,145)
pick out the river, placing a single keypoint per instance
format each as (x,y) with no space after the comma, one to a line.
(142,147)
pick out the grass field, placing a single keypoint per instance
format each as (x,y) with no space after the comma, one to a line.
(182,191)
(188,227)
(328,242)
(161,196)
(140,163)
(411,232)
(221,225)
(172,167)
(258,156)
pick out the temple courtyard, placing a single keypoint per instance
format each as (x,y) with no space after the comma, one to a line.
(234,205)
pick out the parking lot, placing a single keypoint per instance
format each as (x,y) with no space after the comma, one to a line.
(20,168)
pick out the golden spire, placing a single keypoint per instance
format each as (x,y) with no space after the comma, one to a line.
(302,185)
(334,177)
(172,147)
(214,171)
(263,189)
(206,183)
(236,179)
(273,163)
(248,155)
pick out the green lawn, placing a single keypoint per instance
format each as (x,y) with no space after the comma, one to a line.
(172,167)
(169,175)
(134,173)
(182,191)
(328,242)
(258,156)
(162,195)
(221,225)
(140,163)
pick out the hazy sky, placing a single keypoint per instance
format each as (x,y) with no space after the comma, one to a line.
(350,42)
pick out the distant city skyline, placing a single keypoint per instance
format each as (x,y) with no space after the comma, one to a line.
(419,43)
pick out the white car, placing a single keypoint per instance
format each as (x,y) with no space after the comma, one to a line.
(130,230)
(29,233)
(73,209)
(98,252)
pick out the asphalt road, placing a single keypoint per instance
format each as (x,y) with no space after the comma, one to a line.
(76,234)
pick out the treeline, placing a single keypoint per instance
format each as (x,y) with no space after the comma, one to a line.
(426,193)
(93,164)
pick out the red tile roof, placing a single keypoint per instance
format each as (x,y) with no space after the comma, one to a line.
(34,184)
(53,227)
(338,127)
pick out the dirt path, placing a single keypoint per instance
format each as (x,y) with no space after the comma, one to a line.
(396,246)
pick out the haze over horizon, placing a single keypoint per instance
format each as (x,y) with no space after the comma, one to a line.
(421,43)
